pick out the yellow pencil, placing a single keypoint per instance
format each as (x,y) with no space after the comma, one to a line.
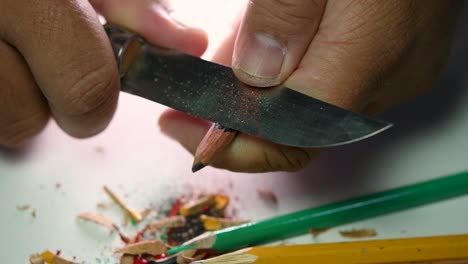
(449,249)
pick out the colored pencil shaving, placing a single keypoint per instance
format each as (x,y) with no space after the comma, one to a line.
(215,141)
(99,219)
(216,223)
(195,206)
(49,258)
(359,233)
(438,249)
(135,215)
(331,215)
(150,247)
(169,222)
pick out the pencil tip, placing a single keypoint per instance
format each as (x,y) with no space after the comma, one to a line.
(198,166)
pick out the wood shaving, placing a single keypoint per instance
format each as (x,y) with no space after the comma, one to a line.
(23,208)
(151,247)
(169,222)
(148,212)
(126,219)
(317,232)
(36,259)
(221,202)
(127,259)
(49,258)
(135,215)
(359,233)
(189,256)
(186,256)
(195,206)
(215,223)
(267,195)
(99,219)
(102,206)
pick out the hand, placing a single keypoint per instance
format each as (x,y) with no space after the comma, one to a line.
(57,59)
(361,55)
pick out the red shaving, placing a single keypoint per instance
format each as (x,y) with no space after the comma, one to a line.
(205,209)
(140,260)
(139,236)
(176,207)
(124,239)
(161,256)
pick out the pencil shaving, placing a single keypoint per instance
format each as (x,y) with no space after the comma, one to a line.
(127,259)
(215,223)
(195,206)
(359,233)
(221,202)
(205,240)
(99,219)
(169,222)
(36,259)
(49,258)
(134,214)
(267,195)
(317,232)
(186,256)
(230,259)
(147,212)
(23,208)
(151,247)
(102,206)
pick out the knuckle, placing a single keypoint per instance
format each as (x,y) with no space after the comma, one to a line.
(15,132)
(288,15)
(89,91)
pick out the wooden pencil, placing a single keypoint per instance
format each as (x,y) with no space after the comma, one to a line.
(436,249)
(216,140)
(331,215)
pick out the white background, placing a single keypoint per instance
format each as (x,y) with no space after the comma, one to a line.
(429,139)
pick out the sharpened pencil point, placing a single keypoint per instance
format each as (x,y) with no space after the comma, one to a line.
(198,166)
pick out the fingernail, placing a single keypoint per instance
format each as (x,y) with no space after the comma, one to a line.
(260,58)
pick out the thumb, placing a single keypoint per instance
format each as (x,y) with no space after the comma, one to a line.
(273,37)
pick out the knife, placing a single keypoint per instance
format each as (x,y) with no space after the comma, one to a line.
(212,92)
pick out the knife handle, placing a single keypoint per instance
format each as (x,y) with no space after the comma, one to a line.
(125,45)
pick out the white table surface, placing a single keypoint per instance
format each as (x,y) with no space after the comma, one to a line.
(429,139)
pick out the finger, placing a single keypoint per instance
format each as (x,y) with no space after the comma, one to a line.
(355,50)
(24,111)
(245,154)
(70,57)
(223,54)
(273,37)
(152,19)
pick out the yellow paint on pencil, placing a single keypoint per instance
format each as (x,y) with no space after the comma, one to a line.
(440,249)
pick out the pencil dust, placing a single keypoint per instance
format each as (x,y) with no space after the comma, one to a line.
(172,224)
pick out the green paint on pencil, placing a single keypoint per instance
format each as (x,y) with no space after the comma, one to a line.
(338,213)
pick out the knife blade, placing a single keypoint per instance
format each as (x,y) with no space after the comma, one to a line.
(212,92)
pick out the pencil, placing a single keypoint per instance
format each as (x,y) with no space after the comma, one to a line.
(436,249)
(216,140)
(331,215)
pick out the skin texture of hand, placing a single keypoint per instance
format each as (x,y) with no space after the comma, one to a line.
(362,55)
(57,60)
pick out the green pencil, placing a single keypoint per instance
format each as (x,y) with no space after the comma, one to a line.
(330,215)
